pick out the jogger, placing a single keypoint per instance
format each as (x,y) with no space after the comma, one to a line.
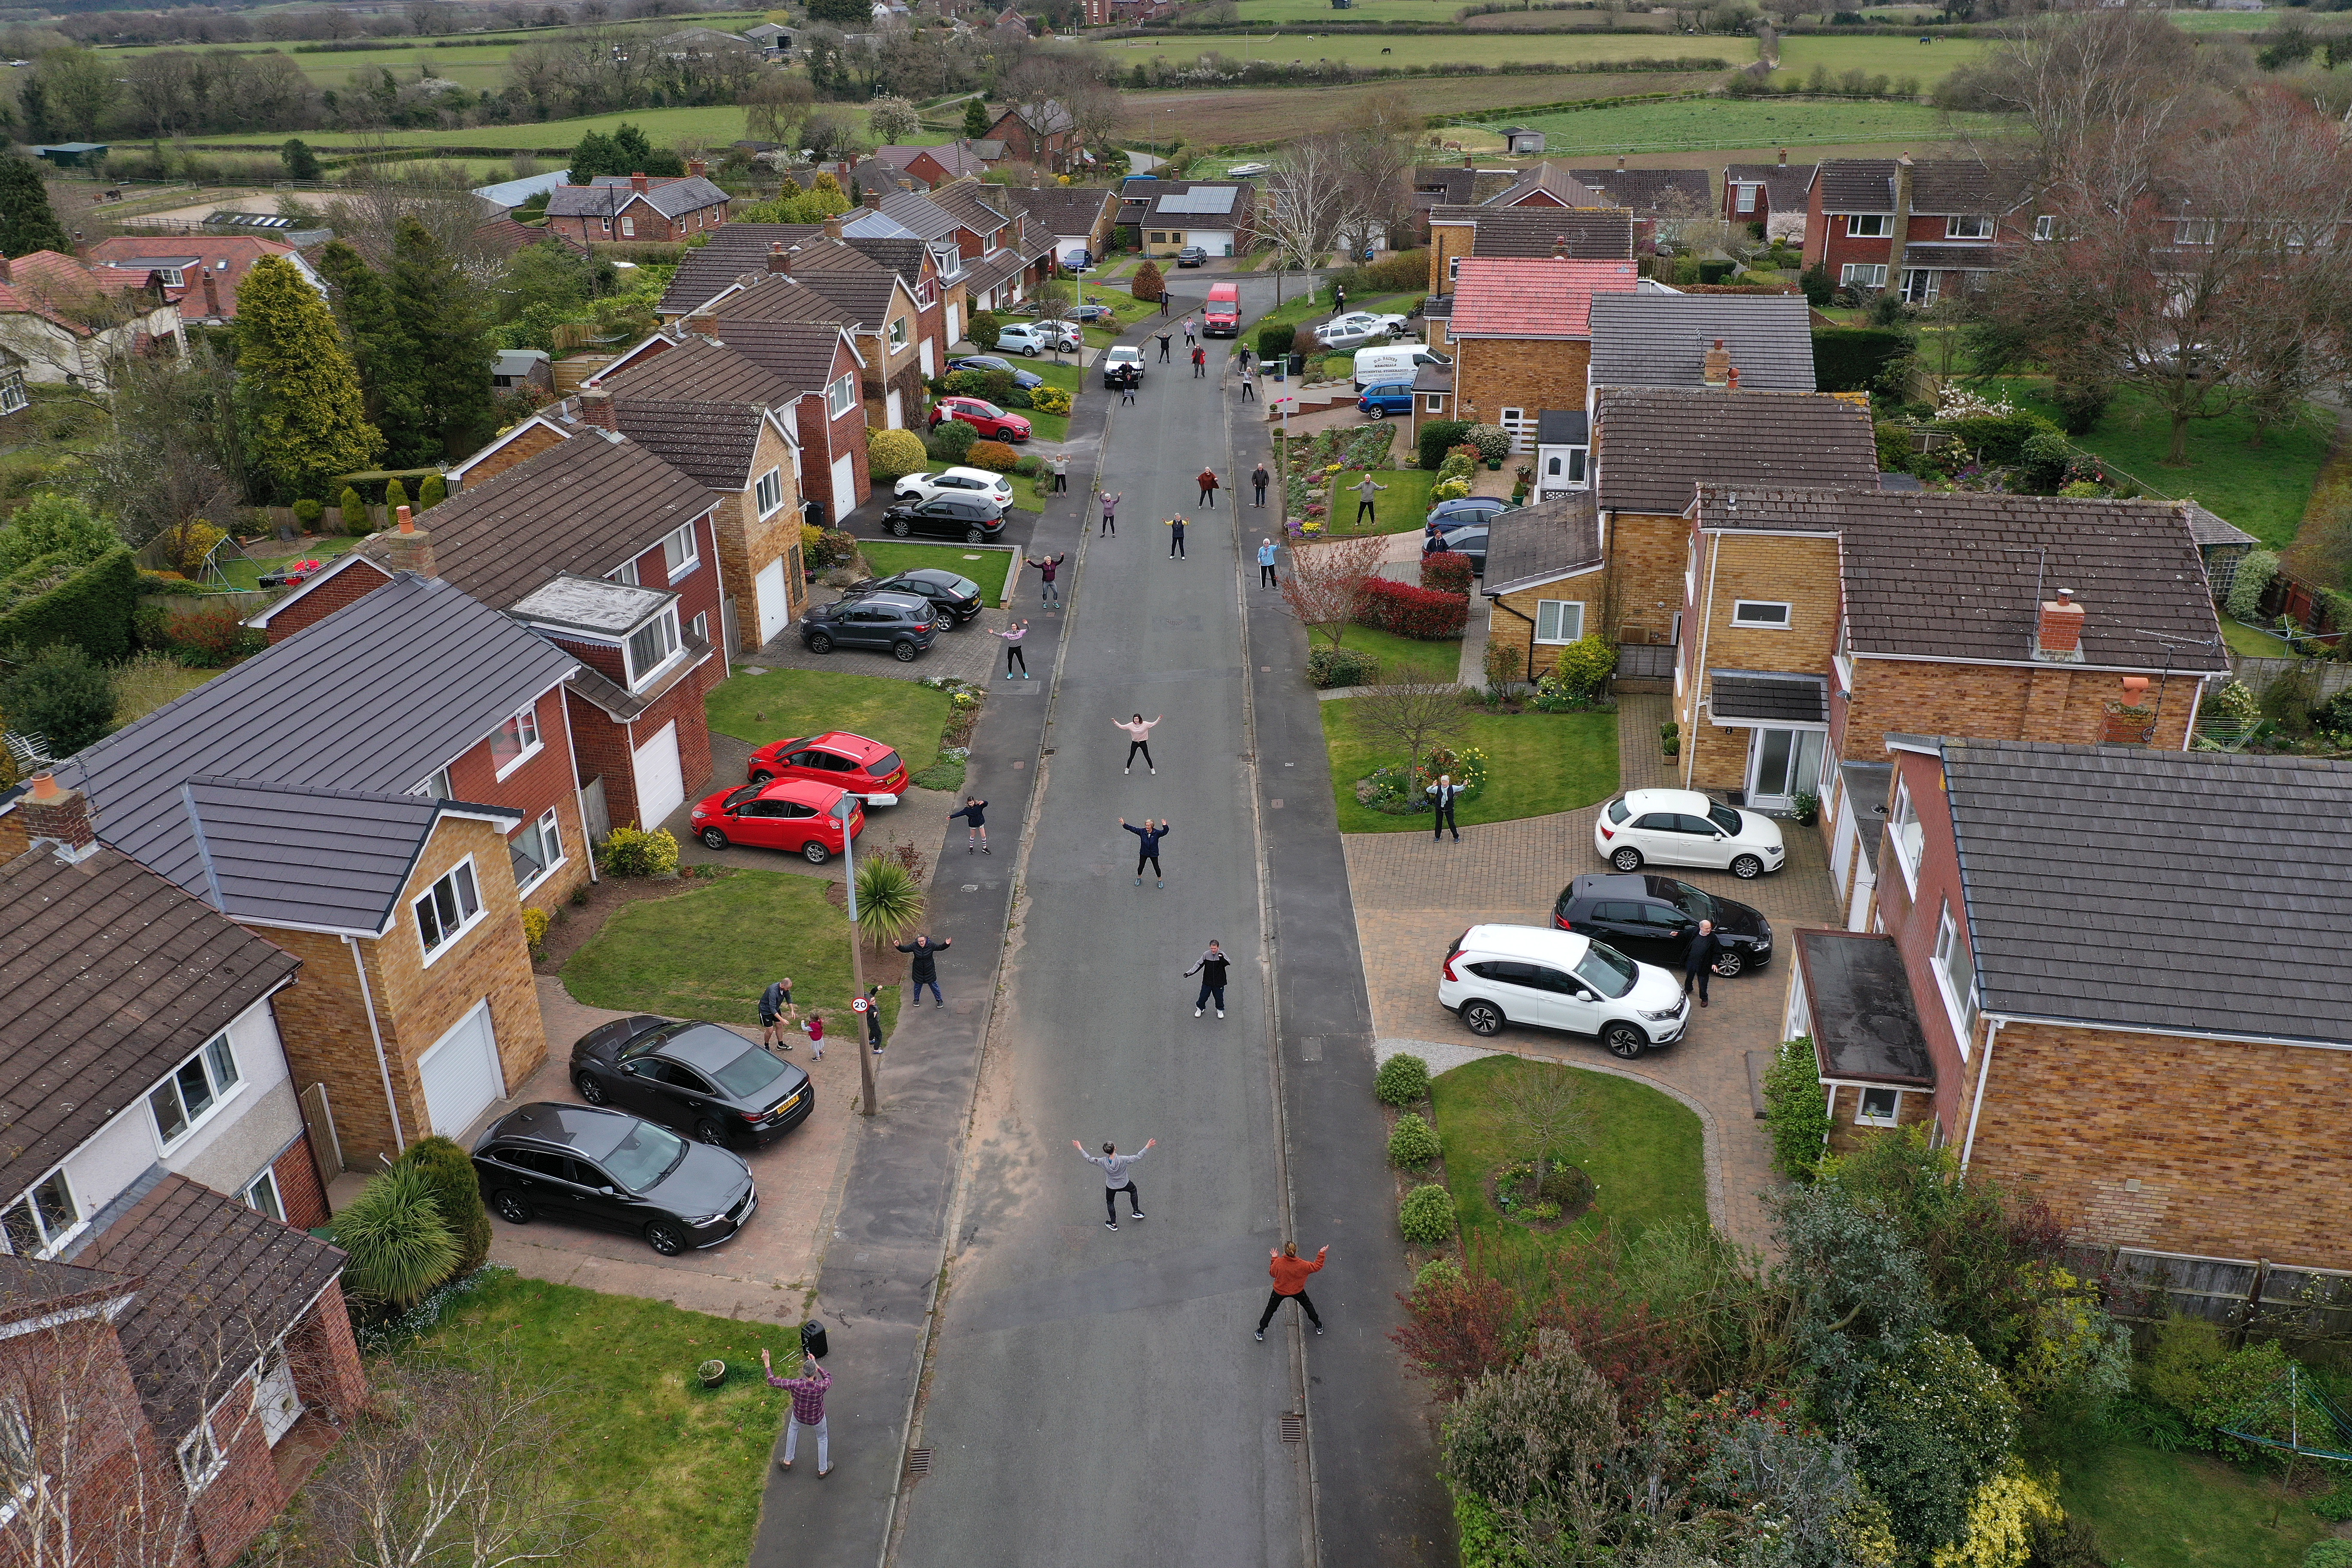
(1013,654)
(1265,561)
(925,970)
(1148,849)
(1138,739)
(1047,593)
(808,1409)
(1176,538)
(1259,479)
(1210,967)
(1110,507)
(975,814)
(1208,481)
(1115,1178)
(1290,1272)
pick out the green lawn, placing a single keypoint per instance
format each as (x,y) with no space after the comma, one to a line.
(1646,1161)
(2252,642)
(1406,658)
(674,1471)
(1300,308)
(709,953)
(1403,505)
(1697,124)
(1880,54)
(270,552)
(2153,1509)
(987,566)
(901,714)
(712,125)
(1536,764)
(1489,49)
(1126,307)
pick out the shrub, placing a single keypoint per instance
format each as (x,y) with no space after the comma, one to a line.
(2080,407)
(630,852)
(2001,438)
(1016,397)
(1411,1143)
(992,455)
(1051,400)
(1437,1272)
(1932,1430)
(1815,282)
(1426,1216)
(58,691)
(1331,666)
(400,1249)
(1796,1112)
(1579,671)
(891,454)
(456,1195)
(1505,665)
(1403,1079)
(535,922)
(2194,1373)
(1437,437)
(1276,340)
(396,496)
(211,638)
(889,900)
(2041,461)
(1032,466)
(184,545)
(1449,490)
(1410,611)
(825,548)
(2068,1542)
(2250,583)
(354,510)
(307,513)
(982,328)
(2082,489)
(432,492)
(952,441)
(2328,1554)
(1854,359)
(1148,282)
(1447,571)
(1493,442)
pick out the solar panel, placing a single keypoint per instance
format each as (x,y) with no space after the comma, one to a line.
(1201,199)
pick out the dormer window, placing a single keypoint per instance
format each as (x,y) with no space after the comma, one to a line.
(652,646)
(36,1225)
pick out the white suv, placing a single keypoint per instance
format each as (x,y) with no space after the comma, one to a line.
(1683,827)
(984,483)
(1530,974)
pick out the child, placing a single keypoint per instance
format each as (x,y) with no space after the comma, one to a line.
(816,1035)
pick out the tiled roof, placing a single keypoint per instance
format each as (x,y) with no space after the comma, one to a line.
(1784,184)
(108,977)
(2179,890)
(1948,187)
(197,254)
(854,282)
(1593,234)
(903,256)
(671,198)
(1550,180)
(1532,299)
(919,214)
(701,369)
(1955,575)
(1446,184)
(1653,445)
(1536,544)
(56,287)
(798,353)
(508,237)
(712,442)
(1065,209)
(2208,529)
(734,249)
(1662,340)
(1741,694)
(984,210)
(1866,1023)
(1654,193)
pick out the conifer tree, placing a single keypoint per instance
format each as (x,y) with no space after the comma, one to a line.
(441,315)
(27,222)
(298,390)
(379,346)
(975,118)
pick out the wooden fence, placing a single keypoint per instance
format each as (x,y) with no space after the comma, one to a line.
(2249,1296)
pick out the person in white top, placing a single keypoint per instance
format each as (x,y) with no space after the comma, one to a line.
(1138,739)
(1115,1178)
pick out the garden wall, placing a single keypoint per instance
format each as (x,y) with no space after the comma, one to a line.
(2258,673)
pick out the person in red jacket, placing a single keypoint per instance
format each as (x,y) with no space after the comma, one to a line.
(1290,1272)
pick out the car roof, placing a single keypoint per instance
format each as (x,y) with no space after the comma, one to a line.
(1683,800)
(933,574)
(897,602)
(961,472)
(1536,944)
(844,741)
(807,792)
(1616,885)
(707,1045)
(585,1130)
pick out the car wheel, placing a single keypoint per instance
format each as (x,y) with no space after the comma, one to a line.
(815,852)
(666,1238)
(1747,868)
(591,1090)
(1032,351)
(714,840)
(902,528)
(762,775)
(904,652)
(819,643)
(512,1209)
(1379,413)
(1727,964)
(708,1131)
(1626,858)
(973,536)
(1624,1041)
(1483,1019)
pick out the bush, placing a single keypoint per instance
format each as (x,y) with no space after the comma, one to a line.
(823,549)
(396,496)
(1815,282)
(400,1249)
(1998,439)
(1276,340)
(432,492)
(211,638)
(1148,282)
(2082,489)
(1438,437)
(1447,571)
(892,454)
(2194,1373)
(1411,1144)
(535,922)
(1403,1079)
(889,900)
(1932,1428)
(456,1193)
(1854,359)
(1493,442)
(1437,1272)
(982,328)
(1331,666)
(1426,1216)
(1410,611)
(1796,1112)
(307,513)
(992,455)
(2328,1554)
(629,852)
(58,691)
(2041,461)
(952,441)
(2080,407)
(1051,400)
(354,510)
(1577,673)
(2250,583)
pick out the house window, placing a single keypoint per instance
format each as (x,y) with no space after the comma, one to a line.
(700,627)
(201,1456)
(13,396)
(448,910)
(1558,620)
(627,571)
(840,396)
(651,646)
(196,1086)
(36,1223)
(1868,275)
(2045,227)
(629,229)
(2194,231)
(516,739)
(1879,1107)
(171,277)
(1760,613)
(536,848)
(1452,267)
(1746,203)
(1869,225)
(1967,228)
(1956,973)
(1909,837)
(261,1197)
(680,552)
(435,785)
(770,493)
(607,223)
(898,332)
(1433,404)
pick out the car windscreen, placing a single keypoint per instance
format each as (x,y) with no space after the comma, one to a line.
(643,1157)
(1693,902)
(1607,971)
(750,1076)
(883,766)
(1723,816)
(963,587)
(748,792)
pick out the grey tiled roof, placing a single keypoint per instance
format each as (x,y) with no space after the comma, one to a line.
(1065,209)
(2189,890)
(1795,698)
(903,256)
(1942,186)
(984,210)
(1955,575)
(1654,444)
(1662,340)
(1563,427)
(1446,184)
(1865,1021)
(712,442)
(2208,529)
(699,369)
(733,250)
(1784,184)
(671,198)
(919,214)
(1654,193)
(1539,542)
(1593,234)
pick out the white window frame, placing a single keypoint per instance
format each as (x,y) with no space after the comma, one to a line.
(2196,231)
(840,395)
(1951,939)
(627,571)
(202,1458)
(266,1183)
(13,398)
(545,832)
(767,495)
(629,227)
(1745,201)
(1453,268)
(2045,225)
(216,1061)
(699,627)
(1559,608)
(172,277)
(464,883)
(1968,227)
(1743,620)
(682,551)
(436,785)
(1433,403)
(1906,833)
(49,1243)
(1869,273)
(899,336)
(1862,1114)
(1884,226)
(667,623)
(607,223)
(520,730)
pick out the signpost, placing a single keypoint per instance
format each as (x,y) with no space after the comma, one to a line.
(842,809)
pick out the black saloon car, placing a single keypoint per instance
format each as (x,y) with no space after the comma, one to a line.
(902,623)
(697,1078)
(610,1170)
(973,519)
(1192,256)
(955,595)
(1652,918)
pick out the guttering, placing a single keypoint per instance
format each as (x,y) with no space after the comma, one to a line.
(382,1063)
(2175,673)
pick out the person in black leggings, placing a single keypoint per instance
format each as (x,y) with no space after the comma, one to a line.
(1109,513)
(1138,739)
(1013,654)
(1148,849)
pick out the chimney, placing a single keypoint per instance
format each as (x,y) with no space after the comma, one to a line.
(597,408)
(1732,373)
(1784,157)
(1717,369)
(698,168)
(777,260)
(1621,163)
(639,182)
(212,295)
(833,226)
(62,814)
(873,199)
(405,547)
(1902,222)
(2135,690)
(1468,162)
(2059,637)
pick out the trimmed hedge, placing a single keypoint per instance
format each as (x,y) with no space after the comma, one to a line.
(1446,572)
(1426,1216)
(1331,666)
(1438,437)
(91,609)
(1276,340)
(1853,359)
(1412,612)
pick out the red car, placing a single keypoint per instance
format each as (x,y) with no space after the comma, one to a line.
(792,814)
(866,769)
(981,415)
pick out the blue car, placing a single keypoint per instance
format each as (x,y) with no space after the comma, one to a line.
(1390,397)
(1024,379)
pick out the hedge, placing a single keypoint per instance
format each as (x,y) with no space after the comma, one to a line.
(1412,612)
(1446,572)
(91,609)
(1438,437)
(1852,359)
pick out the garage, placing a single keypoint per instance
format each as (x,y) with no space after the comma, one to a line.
(461,1075)
(661,781)
(1215,241)
(776,607)
(845,487)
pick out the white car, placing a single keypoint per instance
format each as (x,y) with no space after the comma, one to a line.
(1683,827)
(1358,327)
(1499,974)
(956,482)
(1024,338)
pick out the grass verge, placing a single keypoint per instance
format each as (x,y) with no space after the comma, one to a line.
(902,714)
(2153,1509)
(1406,658)
(989,568)
(1536,764)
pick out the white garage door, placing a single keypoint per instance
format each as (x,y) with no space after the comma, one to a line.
(890,415)
(845,487)
(461,1074)
(1215,241)
(775,607)
(661,782)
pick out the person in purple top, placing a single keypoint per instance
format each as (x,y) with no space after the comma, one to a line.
(808,1410)
(1047,593)
(1013,654)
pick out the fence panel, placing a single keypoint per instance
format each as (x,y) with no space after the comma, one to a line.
(2258,673)
(2251,1295)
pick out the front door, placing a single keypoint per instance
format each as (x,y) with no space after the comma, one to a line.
(1782,765)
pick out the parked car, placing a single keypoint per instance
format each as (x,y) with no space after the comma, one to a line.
(1079,260)
(792,814)
(973,519)
(1192,256)
(979,482)
(1069,335)
(1022,338)
(1369,321)
(1683,827)
(902,623)
(1499,974)
(1470,542)
(1091,313)
(1122,365)
(1380,402)
(983,416)
(1653,918)
(1024,379)
(950,593)
(708,1082)
(608,1170)
(866,769)
(1466,512)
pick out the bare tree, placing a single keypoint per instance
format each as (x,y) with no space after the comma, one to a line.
(1325,580)
(172,448)
(1375,160)
(1415,715)
(1096,106)
(777,107)
(1543,1113)
(1306,202)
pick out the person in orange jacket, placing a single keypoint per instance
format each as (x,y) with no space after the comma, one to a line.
(1290,1272)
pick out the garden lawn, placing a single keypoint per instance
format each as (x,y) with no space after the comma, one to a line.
(2153,1509)
(1070,378)
(1646,1162)
(902,714)
(270,552)
(1027,496)
(2252,642)
(987,566)
(1536,764)
(1406,658)
(708,954)
(1403,505)
(674,1472)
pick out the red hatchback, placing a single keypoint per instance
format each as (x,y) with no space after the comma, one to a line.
(981,415)
(794,814)
(866,769)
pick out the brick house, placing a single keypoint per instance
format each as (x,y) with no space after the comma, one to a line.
(1921,228)
(200,273)
(957,160)
(1775,196)
(1661,200)
(873,308)
(725,260)
(860,278)
(1692,341)
(2146,1035)
(1546,581)
(63,321)
(1218,215)
(1521,338)
(1573,233)
(1040,133)
(638,209)
(1071,217)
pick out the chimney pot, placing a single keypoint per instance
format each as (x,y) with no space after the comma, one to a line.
(697,167)
(639,182)
(1620,160)
(2059,634)
(407,522)
(873,199)
(1560,247)
(45,786)
(59,814)
(1732,374)
(2135,688)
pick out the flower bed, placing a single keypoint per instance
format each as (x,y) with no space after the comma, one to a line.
(1395,792)
(1567,1191)
(1314,461)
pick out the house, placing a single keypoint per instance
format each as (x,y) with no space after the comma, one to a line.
(64,323)
(933,166)
(508,239)
(894,281)
(1546,581)
(1773,196)
(773,40)
(1041,134)
(199,272)
(1549,185)
(1520,336)
(1573,233)
(827,283)
(1662,200)
(724,260)
(1923,228)
(1699,340)
(507,194)
(638,207)
(1519,141)
(1011,26)
(2090,969)
(511,368)
(1070,217)
(1218,215)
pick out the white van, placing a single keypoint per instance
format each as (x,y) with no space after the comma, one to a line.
(1393,364)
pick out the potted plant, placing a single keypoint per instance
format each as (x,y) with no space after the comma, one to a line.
(713,1373)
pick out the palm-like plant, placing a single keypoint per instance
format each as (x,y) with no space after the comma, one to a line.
(889,900)
(400,1246)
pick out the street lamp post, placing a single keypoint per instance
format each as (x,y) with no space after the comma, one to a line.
(842,809)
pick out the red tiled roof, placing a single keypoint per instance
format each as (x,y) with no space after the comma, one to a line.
(54,287)
(196,255)
(1511,297)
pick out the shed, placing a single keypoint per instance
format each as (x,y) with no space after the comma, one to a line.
(523,367)
(73,154)
(1520,141)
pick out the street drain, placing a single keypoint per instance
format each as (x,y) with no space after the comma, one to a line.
(919,1461)
(1294,1427)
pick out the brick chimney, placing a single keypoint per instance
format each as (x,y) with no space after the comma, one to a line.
(778,261)
(59,814)
(2059,635)
(403,547)
(1621,163)
(873,200)
(1717,369)
(833,226)
(597,408)
(699,168)
(1560,247)
(1468,162)
(1784,157)
(639,182)
(212,294)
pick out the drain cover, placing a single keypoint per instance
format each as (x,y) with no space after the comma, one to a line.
(1293,1426)
(918,1460)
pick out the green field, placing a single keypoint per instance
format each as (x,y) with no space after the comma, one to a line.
(1701,125)
(2155,1509)
(1282,11)
(1406,48)
(1893,55)
(712,126)
(1536,764)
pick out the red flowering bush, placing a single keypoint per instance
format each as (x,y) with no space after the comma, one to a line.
(1410,611)
(1447,571)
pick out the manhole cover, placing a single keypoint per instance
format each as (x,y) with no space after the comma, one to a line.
(1294,1427)
(918,1460)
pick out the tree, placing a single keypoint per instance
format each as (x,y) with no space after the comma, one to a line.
(976,119)
(401,1248)
(1376,162)
(58,691)
(1325,580)
(594,155)
(83,87)
(639,156)
(841,13)
(1415,715)
(50,525)
(301,163)
(174,446)
(892,120)
(34,109)
(457,1196)
(1543,1112)
(28,223)
(379,345)
(441,315)
(1096,108)
(303,410)
(1307,201)
(776,107)
(1148,282)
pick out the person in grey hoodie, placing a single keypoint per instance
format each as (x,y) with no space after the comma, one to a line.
(1115,1178)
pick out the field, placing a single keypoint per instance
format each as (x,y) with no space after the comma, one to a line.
(1714,123)
(1255,13)
(1403,48)
(1246,116)
(712,126)
(1893,57)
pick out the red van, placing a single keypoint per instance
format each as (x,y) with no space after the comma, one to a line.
(1222,319)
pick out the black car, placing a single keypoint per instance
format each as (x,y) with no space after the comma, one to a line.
(973,519)
(697,1078)
(610,1171)
(1652,918)
(1192,256)
(1024,379)
(957,596)
(1470,542)
(902,623)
